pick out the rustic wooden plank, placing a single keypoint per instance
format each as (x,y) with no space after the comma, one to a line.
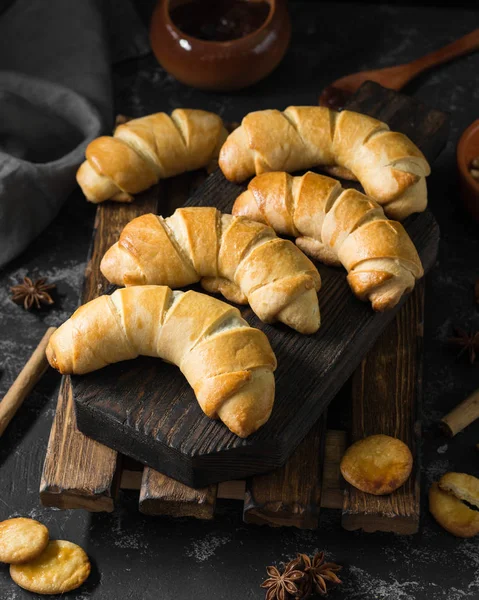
(291,495)
(332,489)
(79,472)
(197,451)
(385,397)
(161,495)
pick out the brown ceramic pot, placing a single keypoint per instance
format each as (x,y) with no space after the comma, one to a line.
(220,66)
(467,150)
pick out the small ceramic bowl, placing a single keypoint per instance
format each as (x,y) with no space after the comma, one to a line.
(220,65)
(467,150)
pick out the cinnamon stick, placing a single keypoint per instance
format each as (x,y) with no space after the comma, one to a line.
(25,382)
(462,416)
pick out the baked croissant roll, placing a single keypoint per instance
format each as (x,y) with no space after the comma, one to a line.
(143,151)
(228,364)
(243,260)
(388,165)
(337,226)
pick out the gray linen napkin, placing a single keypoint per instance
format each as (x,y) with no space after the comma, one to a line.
(55,97)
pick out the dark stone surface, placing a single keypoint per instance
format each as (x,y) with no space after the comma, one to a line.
(143,557)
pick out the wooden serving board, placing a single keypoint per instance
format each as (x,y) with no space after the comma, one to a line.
(145,408)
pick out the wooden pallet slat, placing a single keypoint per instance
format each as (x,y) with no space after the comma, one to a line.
(385,396)
(332,492)
(78,472)
(160,494)
(290,495)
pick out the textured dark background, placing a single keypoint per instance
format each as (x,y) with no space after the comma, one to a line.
(140,557)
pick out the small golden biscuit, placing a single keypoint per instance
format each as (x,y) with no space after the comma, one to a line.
(62,567)
(378,464)
(452,514)
(22,540)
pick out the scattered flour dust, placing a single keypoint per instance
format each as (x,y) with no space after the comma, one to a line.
(204,549)
(359,585)
(437,468)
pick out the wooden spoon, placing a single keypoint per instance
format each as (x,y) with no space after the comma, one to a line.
(395,78)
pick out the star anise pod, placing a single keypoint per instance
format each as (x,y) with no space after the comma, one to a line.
(32,293)
(319,574)
(283,586)
(466,341)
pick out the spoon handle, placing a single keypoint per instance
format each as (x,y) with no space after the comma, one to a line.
(464,45)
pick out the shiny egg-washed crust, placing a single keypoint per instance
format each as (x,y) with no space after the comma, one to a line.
(22,540)
(391,169)
(378,464)
(449,510)
(143,151)
(61,567)
(228,364)
(242,259)
(337,226)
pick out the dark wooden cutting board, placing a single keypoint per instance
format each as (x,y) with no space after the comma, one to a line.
(145,408)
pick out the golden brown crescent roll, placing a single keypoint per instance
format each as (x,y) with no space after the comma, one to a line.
(389,166)
(143,151)
(447,506)
(240,258)
(228,364)
(337,226)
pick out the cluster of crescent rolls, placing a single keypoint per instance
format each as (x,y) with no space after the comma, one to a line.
(230,365)
(391,169)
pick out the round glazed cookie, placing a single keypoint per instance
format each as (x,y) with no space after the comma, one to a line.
(22,540)
(378,464)
(62,567)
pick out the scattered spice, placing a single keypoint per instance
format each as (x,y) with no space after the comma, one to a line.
(301,578)
(466,342)
(320,573)
(32,293)
(283,586)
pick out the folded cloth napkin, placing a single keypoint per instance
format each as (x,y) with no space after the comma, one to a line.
(55,97)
